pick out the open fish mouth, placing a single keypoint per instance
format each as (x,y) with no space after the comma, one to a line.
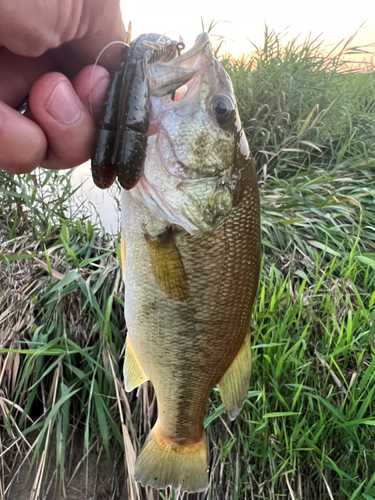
(166,77)
(201,41)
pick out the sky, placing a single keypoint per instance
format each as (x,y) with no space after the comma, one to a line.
(246,20)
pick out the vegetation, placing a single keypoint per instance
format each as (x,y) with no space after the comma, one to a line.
(307,430)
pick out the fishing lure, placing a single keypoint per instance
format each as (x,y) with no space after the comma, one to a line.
(121,142)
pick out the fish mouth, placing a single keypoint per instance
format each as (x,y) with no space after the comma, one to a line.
(164,77)
(200,42)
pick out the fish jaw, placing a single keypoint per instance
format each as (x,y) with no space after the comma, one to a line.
(166,77)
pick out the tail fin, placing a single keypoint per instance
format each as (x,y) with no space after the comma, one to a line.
(162,463)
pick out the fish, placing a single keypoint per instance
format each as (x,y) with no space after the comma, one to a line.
(191,255)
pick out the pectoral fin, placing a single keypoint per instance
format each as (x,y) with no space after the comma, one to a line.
(134,376)
(234,384)
(167,266)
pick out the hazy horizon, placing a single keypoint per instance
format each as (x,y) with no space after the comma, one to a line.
(163,16)
(242,22)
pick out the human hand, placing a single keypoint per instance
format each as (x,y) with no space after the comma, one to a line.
(46,48)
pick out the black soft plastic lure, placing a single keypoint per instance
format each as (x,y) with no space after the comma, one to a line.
(121,142)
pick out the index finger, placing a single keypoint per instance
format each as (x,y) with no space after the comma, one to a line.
(105,25)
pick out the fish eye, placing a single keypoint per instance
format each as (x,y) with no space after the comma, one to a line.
(223,107)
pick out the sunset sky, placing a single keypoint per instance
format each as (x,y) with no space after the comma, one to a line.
(247,19)
(336,20)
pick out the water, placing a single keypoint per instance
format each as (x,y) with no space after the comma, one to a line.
(99,202)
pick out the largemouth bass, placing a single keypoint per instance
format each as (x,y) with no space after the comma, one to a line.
(192,233)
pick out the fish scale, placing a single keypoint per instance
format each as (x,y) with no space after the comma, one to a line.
(185,348)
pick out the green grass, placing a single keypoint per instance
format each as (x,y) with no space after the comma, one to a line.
(307,430)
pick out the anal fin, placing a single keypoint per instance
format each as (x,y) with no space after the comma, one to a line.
(134,376)
(234,384)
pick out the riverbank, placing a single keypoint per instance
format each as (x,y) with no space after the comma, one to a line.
(307,429)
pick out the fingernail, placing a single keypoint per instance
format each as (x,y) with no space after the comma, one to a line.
(99,88)
(97,95)
(63,105)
